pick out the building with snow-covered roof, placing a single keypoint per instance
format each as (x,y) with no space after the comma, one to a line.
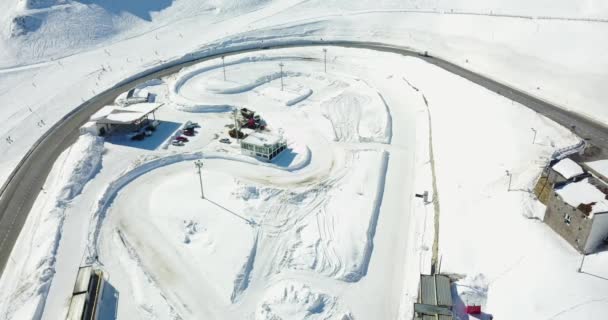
(263,146)
(568,169)
(578,211)
(598,168)
(125,118)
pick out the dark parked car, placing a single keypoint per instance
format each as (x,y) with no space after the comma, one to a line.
(182,138)
(189,133)
(138,137)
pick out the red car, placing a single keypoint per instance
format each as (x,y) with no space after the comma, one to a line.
(182,138)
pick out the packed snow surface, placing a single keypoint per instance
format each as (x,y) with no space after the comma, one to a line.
(328,230)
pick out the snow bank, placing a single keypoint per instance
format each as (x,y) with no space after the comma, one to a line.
(256,83)
(303,96)
(293,300)
(28,280)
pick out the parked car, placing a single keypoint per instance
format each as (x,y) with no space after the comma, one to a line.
(191,125)
(177,143)
(189,133)
(138,137)
(182,138)
(225,140)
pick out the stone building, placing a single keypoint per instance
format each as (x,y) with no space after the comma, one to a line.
(577,206)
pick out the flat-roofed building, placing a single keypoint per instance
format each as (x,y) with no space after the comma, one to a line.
(117,118)
(263,146)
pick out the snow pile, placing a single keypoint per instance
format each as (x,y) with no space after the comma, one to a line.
(303,95)
(470,291)
(28,282)
(293,300)
(357,118)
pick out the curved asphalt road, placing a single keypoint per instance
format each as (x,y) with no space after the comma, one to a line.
(19,192)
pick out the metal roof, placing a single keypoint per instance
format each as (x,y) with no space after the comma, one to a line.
(427,290)
(77,305)
(82,279)
(435,290)
(444,293)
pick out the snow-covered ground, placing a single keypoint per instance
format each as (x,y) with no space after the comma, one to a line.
(516,42)
(330,230)
(491,234)
(313,219)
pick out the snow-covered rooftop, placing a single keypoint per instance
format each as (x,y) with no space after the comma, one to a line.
(103,112)
(120,115)
(568,168)
(600,166)
(261,139)
(583,192)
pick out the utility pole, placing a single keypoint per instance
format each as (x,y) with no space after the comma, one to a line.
(325,58)
(534,138)
(580,268)
(236,124)
(199,165)
(224,67)
(281,65)
(510,177)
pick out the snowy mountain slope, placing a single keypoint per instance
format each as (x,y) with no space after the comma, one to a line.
(40,29)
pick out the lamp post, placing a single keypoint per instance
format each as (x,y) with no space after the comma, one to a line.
(281,65)
(325,58)
(236,125)
(510,177)
(224,67)
(199,165)
(534,138)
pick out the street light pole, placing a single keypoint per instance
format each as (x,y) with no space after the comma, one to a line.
(325,58)
(199,165)
(224,67)
(510,176)
(281,66)
(534,139)
(236,125)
